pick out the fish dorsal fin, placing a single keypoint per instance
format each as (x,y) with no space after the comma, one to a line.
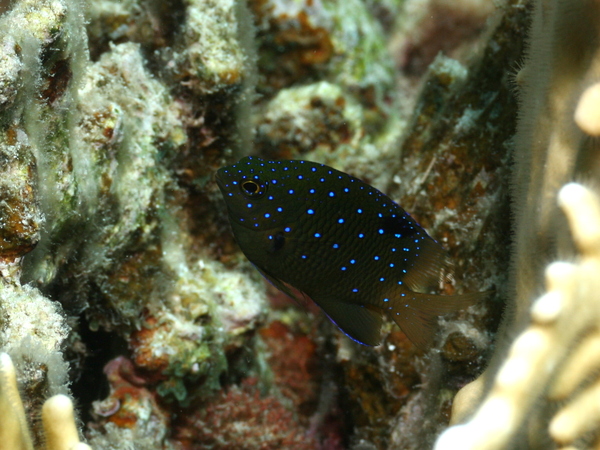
(426,270)
(360,323)
(416,314)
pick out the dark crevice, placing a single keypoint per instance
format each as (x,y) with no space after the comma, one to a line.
(91,384)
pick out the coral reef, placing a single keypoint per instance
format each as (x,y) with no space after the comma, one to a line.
(94,199)
(115,253)
(240,418)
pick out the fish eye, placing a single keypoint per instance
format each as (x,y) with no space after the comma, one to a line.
(252,188)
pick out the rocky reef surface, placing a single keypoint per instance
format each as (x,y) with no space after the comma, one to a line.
(121,285)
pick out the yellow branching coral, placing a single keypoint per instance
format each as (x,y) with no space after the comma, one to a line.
(587,114)
(556,143)
(556,355)
(14,432)
(581,413)
(59,425)
(57,415)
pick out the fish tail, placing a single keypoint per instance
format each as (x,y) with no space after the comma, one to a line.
(417,314)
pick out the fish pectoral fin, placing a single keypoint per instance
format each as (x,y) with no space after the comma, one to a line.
(417,314)
(360,323)
(296,295)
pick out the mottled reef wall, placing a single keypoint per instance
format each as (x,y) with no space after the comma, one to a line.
(121,284)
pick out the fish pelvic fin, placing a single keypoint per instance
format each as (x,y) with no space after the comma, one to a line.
(417,314)
(360,323)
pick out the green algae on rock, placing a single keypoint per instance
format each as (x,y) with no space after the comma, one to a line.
(20,216)
(333,71)
(303,119)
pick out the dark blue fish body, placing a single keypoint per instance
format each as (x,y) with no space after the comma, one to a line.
(341,242)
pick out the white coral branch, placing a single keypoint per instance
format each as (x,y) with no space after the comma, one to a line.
(14,432)
(567,316)
(60,431)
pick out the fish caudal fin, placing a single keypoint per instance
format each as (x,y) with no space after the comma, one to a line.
(417,314)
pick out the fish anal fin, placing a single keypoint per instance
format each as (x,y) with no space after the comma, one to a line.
(360,323)
(417,314)
(419,328)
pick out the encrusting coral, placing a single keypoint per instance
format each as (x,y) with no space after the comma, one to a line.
(60,430)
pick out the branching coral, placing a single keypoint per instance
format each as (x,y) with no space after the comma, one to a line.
(13,426)
(541,394)
(587,114)
(59,425)
(556,357)
(57,415)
